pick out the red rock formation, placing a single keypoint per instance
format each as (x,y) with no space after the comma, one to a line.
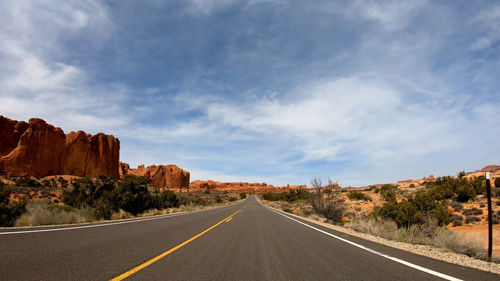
(40,149)
(163,176)
(238,187)
(429,178)
(490,168)
(123,169)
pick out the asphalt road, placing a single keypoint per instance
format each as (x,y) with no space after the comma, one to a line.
(245,241)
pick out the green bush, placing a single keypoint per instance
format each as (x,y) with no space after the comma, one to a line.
(388,192)
(218,199)
(457,207)
(404,213)
(497,182)
(465,193)
(243,195)
(27,182)
(421,208)
(232,199)
(288,196)
(442,214)
(9,211)
(132,195)
(105,196)
(164,199)
(358,195)
(62,182)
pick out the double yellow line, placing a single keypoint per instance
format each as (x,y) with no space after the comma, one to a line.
(162,255)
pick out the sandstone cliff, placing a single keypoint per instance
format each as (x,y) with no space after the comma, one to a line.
(40,149)
(161,176)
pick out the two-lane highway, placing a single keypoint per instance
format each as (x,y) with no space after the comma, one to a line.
(245,241)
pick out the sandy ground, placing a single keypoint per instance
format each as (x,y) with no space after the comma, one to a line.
(481,231)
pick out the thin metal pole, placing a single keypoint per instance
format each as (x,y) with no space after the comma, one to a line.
(490,224)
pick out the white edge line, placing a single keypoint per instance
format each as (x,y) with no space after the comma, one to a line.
(113,223)
(409,264)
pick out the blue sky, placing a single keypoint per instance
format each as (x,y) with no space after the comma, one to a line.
(362,92)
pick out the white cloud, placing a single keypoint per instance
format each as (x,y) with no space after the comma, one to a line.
(391,15)
(332,120)
(35,79)
(488,19)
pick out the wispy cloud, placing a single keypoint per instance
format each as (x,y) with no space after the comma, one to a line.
(361,91)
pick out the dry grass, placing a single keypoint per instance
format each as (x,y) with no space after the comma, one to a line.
(121,214)
(435,236)
(45,213)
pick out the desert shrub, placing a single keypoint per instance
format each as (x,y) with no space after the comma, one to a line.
(481,205)
(243,195)
(218,199)
(48,213)
(105,196)
(472,211)
(412,185)
(63,182)
(131,195)
(165,199)
(46,184)
(232,199)
(472,219)
(358,195)
(461,174)
(479,184)
(457,207)
(388,192)
(27,182)
(436,236)
(419,209)
(457,222)
(332,208)
(459,243)
(403,213)
(350,215)
(495,192)
(9,211)
(497,202)
(442,214)
(202,202)
(287,196)
(465,193)
(377,227)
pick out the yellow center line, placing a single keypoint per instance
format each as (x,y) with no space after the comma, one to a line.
(162,255)
(229,219)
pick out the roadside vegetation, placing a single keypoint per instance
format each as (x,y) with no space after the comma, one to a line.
(415,215)
(59,201)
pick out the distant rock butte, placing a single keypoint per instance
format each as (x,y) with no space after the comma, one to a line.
(238,187)
(36,148)
(490,168)
(161,176)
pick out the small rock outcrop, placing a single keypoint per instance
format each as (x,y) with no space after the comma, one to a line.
(161,176)
(38,149)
